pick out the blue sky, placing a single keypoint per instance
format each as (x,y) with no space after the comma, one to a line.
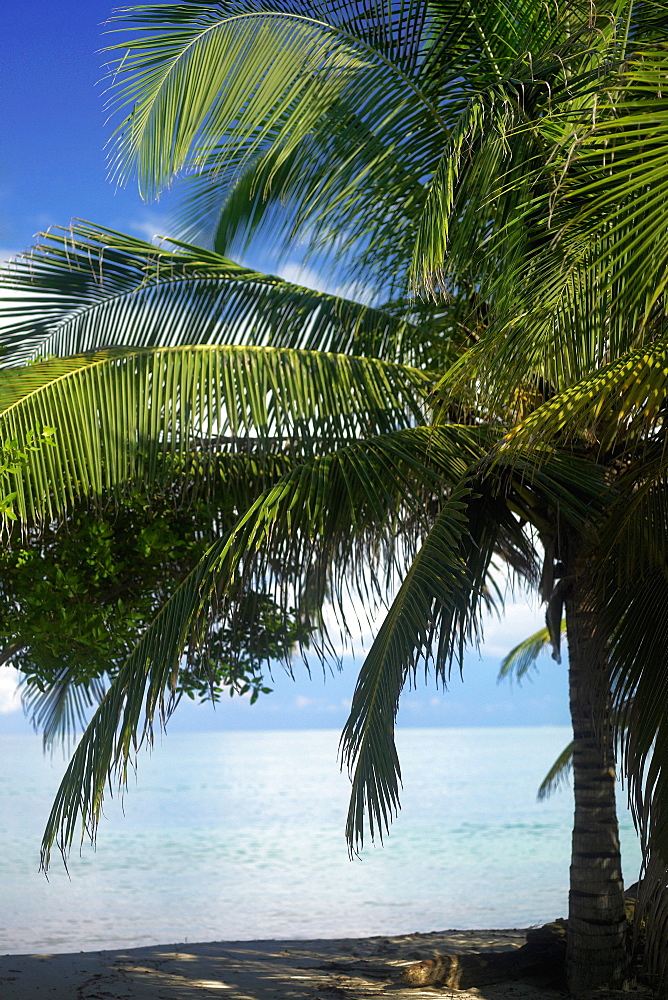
(53,169)
(322,700)
(53,162)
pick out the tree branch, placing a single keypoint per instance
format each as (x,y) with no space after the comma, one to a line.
(11,650)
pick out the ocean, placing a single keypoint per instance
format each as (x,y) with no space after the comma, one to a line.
(240,836)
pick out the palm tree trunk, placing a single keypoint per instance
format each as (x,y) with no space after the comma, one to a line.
(596,951)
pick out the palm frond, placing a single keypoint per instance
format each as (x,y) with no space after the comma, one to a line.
(435,614)
(62,708)
(87,288)
(522,658)
(488,145)
(620,401)
(348,163)
(568,260)
(611,195)
(343,197)
(334,165)
(259,75)
(127,415)
(306,537)
(557,774)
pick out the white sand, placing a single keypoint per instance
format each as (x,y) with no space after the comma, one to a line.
(344,969)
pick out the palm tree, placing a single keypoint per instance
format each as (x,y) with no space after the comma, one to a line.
(405,470)
(350,465)
(437,84)
(475,137)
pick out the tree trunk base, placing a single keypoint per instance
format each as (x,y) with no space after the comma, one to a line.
(543,956)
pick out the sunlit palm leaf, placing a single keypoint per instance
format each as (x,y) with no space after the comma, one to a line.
(488,144)
(568,253)
(135,415)
(86,288)
(393,102)
(618,165)
(522,658)
(622,400)
(412,69)
(256,74)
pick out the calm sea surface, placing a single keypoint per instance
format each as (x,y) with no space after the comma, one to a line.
(240,836)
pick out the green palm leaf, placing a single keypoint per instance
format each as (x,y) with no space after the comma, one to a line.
(618,167)
(368,747)
(257,75)
(488,146)
(135,415)
(435,614)
(325,518)
(521,658)
(86,288)
(557,774)
(620,401)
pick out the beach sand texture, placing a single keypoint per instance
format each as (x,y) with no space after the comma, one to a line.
(343,969)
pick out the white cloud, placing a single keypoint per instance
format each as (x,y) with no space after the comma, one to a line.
(152,227)
(300,274)
(521,618)
(9,690)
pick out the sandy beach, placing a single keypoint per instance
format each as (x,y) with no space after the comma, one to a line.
(342,969)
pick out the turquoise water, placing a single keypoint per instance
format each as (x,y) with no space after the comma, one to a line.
(240,836)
